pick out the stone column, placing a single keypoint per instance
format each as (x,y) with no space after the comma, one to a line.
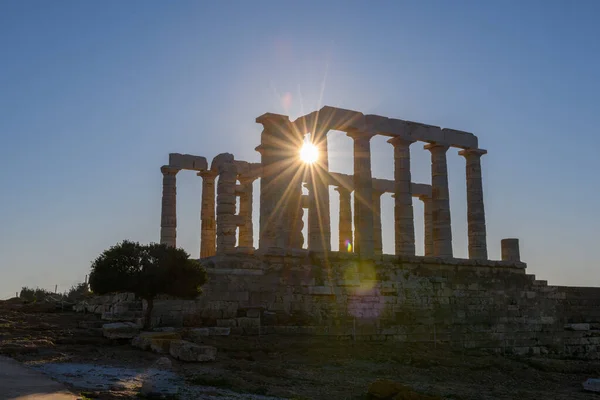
(442,229)
(168,216)
(319,227)
(510,250)
(428,219)
(475,209)
(208,230)
(246,238)
(281,181)
(363,194)
(227,221)
(377,237)
(404,224)
(345,231)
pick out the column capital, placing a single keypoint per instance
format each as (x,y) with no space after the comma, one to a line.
(169,170)
(401,141)
(436,146)
(208,173)
(472,153)
(343,189)
(358,134)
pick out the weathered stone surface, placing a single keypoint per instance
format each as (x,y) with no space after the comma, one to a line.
(188,351)
(592,385)
(157,382)
(120,330)
(155,341)
(475,208)
(442,229)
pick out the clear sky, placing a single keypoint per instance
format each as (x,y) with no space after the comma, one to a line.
(94,95)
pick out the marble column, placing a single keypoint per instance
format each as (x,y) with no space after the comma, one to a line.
(404,224)
(363,194)
(475,208)
(442,228)
(246,238)
(345,227)
(510,250)
(208,228)
(227,221)
(377,235)
(428,219)
(319,226)
(281,181)
(168,216)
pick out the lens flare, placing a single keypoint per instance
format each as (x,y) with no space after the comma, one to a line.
(348,246)
(309,153)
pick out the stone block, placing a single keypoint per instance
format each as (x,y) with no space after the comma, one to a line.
(592,385)
(227,323)
(188,161)
(219,331)
(577,327)
(246,322)
(188,351)
(145,340)
(120,330)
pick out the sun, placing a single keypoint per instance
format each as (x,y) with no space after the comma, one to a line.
(309,153)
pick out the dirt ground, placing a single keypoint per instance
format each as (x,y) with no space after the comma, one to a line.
(296,368)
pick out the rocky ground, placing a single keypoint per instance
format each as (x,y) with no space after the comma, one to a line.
(71,348)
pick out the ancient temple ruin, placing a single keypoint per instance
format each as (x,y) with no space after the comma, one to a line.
(283,175)
(296,285)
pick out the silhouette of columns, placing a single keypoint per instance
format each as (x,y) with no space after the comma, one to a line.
(377,237)
(246,238)
(168,216)
(319,226)
(227,221)
(363,194)
(428,219)
(404,225)
(475,208)
(442,229)
(208,228)
(281,183)
(345,227)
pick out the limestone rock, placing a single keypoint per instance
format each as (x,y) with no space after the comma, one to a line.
(120,330)
(592,385)
(158,342)
(188,351)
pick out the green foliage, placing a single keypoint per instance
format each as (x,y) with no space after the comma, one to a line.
(147,271)
(33,295)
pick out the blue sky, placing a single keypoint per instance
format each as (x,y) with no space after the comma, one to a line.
(94,95)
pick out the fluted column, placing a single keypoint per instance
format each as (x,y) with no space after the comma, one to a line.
(227,221)
(363,194)
(404,224)
(442,228)
(246,238)
(168,216)
(319,226)
(377,236)
(208,228)
(345,227)
(428,219)
(475,208)
(281,181)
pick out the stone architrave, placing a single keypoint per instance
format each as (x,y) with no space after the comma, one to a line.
(377,236)
(208,229)
(428,222)
(363,194)
(227,221)
(246,229)
(168,216)
(442,228)
(475,208)
(404,225)
(345,225)
(319,226)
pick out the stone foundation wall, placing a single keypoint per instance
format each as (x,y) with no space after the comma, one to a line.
(112,307)
(470,304)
